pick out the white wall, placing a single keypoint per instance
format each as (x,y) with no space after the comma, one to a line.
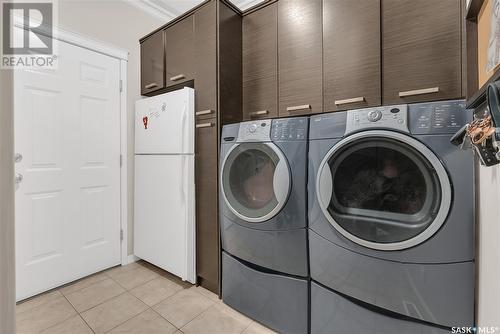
(488,230)
(118,23)
(7,261)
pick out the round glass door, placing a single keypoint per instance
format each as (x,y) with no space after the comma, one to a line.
(383,190)
(255,181)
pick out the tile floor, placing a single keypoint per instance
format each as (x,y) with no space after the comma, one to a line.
(135,299)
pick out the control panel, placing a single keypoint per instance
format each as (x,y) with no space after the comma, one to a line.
(438,117)
(255,131)
(391,117)
(290,129)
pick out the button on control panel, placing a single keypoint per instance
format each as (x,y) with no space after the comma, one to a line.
(290,129)
(392,117)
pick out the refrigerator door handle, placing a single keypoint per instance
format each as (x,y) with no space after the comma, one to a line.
(182,187)
(183,125)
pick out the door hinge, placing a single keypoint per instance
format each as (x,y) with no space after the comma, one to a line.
(121,85)
(121,235)
(121,160)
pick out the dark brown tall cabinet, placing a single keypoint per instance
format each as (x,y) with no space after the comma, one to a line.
(421,50)
(206,151)
(351,54)
(260,63)
(300,57)
(201,49)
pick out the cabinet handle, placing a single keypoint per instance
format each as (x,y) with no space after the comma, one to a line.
(204,125)
(353,100)
(151,85)
(177,77)
(204,112)
(295,108)
(419,92)
(258,113)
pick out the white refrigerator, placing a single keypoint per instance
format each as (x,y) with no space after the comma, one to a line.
(164,194)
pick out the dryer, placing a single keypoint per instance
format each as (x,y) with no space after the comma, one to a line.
(391,218)
(263,183)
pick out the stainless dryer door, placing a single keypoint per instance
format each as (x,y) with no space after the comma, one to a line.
(255,181)
(383,190)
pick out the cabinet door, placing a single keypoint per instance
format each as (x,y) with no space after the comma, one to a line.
(300,57)
(351,54)
(205,56)
(179,41)
(152,63)
(260,63)
(421,50)
(207,228)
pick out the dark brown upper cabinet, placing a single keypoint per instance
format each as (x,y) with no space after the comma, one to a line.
(153,63)
(421,50)
(260,63)
(179,46)
(205,60)
(300,57)
(351,54)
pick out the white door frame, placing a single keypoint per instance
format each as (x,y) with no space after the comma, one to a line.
(122,55)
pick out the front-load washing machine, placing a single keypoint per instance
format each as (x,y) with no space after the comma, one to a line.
(263,187)
(391,219)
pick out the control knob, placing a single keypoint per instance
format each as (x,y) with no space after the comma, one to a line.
(252,128)
(374,115)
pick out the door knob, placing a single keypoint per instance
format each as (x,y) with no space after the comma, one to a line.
(18,157)
(19,178)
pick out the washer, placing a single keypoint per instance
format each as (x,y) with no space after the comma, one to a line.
(263,185)
(391,219)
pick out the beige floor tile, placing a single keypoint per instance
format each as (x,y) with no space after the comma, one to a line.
(256,328)
(135,277)
(233,313)
(74,325)
(156,290)
(95,294)
(183,307)
(30,304)
(44,316)
(216,320)
(114,312)
(83,283)
(148,322)
(207,293)
(121,269)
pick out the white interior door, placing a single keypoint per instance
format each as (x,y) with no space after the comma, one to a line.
(67,135)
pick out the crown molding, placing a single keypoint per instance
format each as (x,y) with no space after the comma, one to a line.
(154,10)
(246,4)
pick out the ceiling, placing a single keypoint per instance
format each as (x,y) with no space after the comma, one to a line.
(168,10)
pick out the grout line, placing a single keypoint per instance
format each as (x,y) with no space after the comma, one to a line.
(135,316)
(86,323)
(152,309)
(107,300)
(196,317)
(83,288)
(77,313)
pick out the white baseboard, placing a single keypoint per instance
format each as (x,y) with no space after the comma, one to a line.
(130,259)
